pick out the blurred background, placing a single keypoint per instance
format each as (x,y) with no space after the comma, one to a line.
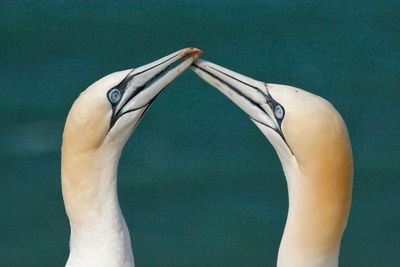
(199,184)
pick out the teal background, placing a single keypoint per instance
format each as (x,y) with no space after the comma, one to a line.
(199,185)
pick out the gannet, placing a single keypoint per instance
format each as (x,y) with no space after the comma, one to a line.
(313,145)
(97,127)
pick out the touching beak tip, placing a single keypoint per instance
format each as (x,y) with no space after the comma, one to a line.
(195,52)
(195,56)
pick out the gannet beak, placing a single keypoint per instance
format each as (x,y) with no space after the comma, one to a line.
(141,86)
(250,95)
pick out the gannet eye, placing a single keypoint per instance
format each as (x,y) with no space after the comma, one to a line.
(114,95)
(279,113)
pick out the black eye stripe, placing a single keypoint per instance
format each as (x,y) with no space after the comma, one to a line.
(277,109)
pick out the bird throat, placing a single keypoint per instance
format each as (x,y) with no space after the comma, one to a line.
(99,235)
(317,216)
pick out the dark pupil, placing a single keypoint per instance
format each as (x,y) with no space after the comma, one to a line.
(115,96)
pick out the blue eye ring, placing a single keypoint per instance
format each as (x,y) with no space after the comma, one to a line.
(114,95)
(279,112)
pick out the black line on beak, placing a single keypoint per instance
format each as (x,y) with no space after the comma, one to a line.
(231,87)
(236,79)
(268,98)
(116,114)
(155,65)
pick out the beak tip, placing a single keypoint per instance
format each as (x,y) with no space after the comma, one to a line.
(195,52)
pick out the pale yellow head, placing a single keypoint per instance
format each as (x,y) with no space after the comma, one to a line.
(88,122)
(312,143)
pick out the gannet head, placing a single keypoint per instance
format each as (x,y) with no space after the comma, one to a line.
(106,113)
(312,143)
(297,123)
(100,123)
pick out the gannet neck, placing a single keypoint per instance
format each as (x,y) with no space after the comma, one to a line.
(99,235)
(314,224)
